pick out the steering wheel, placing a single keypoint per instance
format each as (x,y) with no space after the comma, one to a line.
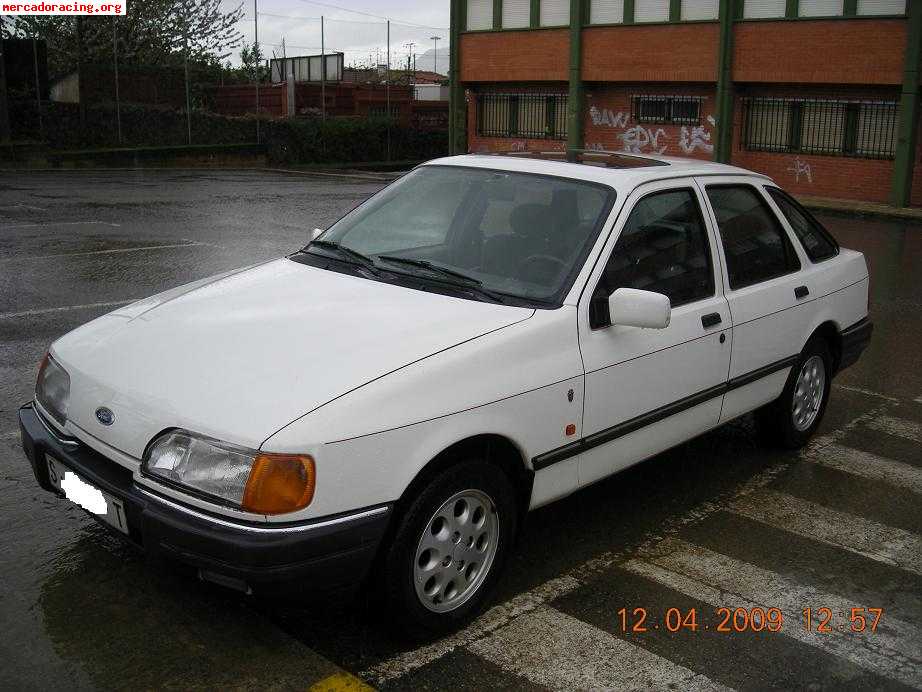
(531,260)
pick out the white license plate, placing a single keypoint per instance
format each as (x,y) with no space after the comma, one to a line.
(111,510)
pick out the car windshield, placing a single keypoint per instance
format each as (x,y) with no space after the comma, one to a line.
(514,234)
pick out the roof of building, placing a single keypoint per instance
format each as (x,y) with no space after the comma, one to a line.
(621,170)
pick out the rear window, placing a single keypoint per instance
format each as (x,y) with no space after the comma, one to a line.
(816,240)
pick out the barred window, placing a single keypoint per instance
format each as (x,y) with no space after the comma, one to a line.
(530,116)
(864,129)
(684,110)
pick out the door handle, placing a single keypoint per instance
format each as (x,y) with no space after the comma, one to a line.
(711,320)
(801,292)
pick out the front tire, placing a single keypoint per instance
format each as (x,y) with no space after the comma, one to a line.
(792,418)
(449,548)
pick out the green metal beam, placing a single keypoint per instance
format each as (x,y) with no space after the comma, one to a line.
(535,18)
(497,14)
(457,108)
(850,8)
(628,11)
(575,98)
(724,138)
(675,10)
(792,8)
(909,111)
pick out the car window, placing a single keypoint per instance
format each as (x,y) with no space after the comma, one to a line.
(756,247)
(663,247)
(816,240)
(519,234)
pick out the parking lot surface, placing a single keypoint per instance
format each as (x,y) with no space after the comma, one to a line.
(595,584)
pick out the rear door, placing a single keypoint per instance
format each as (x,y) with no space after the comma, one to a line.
(649,389)
(765,286)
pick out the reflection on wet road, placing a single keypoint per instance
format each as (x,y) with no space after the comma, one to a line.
(80,609)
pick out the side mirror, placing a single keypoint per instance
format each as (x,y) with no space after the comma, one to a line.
(631,307)
(316,233)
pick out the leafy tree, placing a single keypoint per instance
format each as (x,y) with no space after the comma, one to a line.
(251,55)
(154,32)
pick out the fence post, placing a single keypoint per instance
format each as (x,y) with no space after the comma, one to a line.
(323,74)
(905,157)
(118,105)
(4,113)
(38,91)
(185,60)
(256,49)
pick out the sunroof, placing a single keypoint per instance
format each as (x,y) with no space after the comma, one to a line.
(589,157)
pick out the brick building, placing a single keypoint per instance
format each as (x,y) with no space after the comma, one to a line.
(820,94)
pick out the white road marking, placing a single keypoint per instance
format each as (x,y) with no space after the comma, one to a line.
(45,311)
(20,205)
(892,651)
(504,613)
(918,400)
(9,435)
(899,427)
(856,534)
(101,252)
(869,465)
(867,392)
(574,655)
(62,223)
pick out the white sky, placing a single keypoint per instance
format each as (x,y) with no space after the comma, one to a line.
(360,37)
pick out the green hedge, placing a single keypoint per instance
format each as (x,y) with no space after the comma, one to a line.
(288,141)
(312,140)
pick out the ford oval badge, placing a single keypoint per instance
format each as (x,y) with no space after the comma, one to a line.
(105,416)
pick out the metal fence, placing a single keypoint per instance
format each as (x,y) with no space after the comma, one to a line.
(828,126)
(538,116)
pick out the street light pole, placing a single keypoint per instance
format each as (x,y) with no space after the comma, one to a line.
(435,60)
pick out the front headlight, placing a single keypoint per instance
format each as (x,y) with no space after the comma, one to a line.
(254,481)
(52,388)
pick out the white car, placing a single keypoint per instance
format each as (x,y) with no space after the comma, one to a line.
(482,337)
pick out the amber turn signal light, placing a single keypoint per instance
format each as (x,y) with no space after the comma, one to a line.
(280,483)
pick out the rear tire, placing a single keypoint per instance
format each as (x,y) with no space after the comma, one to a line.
(449,549)
(793,417)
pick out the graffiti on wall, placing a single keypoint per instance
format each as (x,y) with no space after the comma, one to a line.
(801,168)
(638,139)
(697,137)
(608,118)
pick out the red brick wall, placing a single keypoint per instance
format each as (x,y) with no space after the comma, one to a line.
(515,56)
(608,123)
(816,176)
(661,53)
(853,51)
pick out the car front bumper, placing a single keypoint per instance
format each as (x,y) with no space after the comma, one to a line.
(324,556)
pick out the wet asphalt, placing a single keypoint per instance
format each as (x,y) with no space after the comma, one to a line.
(81,610)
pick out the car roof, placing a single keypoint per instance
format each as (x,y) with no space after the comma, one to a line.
(620,170)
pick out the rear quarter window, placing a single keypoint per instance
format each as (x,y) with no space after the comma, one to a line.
(817,242)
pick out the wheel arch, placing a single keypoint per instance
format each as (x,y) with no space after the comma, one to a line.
(829,332)
(493,448)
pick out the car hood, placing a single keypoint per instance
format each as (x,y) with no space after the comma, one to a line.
(242,355)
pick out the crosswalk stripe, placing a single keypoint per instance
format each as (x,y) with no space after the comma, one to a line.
(558,651)
(891,651)
(871,466)
(900,427)
(877,541)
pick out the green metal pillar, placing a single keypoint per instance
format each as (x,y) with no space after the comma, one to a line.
(457,108)
(909,111)
(723,142)
(575,99)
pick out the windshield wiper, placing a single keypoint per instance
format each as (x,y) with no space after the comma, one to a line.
(343,251)
(464,280)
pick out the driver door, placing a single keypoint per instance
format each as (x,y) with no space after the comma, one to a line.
(649,389)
